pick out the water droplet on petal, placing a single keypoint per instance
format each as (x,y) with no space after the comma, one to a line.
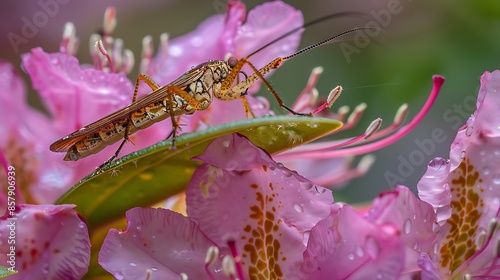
(414,216)
(45,268)
(226,143)
(133,264)
(81,225)
(138,228)
(435,227)
(496,179)
(298,208)
(486,171)
(305,236)
(153,268)
(372,247)
(271,167)
(118,275)
(469,130)
(436,248)
(438,163)
(407,226)
(350,256)
(287,173)
(462,155)
(306,185)
(359,251)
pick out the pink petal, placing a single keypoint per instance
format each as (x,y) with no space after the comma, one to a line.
(157,241)
(434,189)
(414,218)
(24,143)
(51,242)
(240,193)
(75,96)
(429,269)
(472,183)
(347,246)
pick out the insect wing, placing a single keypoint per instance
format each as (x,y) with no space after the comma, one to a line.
(63,144)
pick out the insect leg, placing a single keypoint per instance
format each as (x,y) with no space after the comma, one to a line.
(154,86)
(189,99)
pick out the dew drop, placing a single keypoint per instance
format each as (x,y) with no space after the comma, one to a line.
(271,167)
(486,171)
(305,236)
(287,173)
(118,275)
(350,256)
(133,264)
(496,179)
(45,268)
(359,251)
(153,268)
(415,245)
(226,143)
(298,208)
(462,155)
(306,185)
(407,226)
(436,248)
(469,130)
(138,228)
(438,163)
(372,247)
(435,227)
(81,225)
(414,216)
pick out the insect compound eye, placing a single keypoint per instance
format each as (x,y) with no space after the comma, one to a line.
(232,61)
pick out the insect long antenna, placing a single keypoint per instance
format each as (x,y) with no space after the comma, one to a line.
(327,41)
(313,22)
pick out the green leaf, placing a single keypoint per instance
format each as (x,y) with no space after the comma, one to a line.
(155,173)
(6,272)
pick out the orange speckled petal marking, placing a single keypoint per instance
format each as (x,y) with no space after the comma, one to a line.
(462,226)
(266,208)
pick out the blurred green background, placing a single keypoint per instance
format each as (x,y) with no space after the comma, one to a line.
(459,41)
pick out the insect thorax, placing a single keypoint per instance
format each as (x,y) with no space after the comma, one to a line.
(214,73)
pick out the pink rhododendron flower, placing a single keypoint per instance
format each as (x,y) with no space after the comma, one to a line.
(77,95)
(50,242)
(255,211)
(384,243)
(465,193)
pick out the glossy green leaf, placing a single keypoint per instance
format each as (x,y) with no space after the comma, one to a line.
(153,174)
(5,272)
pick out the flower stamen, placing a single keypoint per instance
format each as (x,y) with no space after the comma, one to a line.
(364,149)
(236,259)
(69,41)
(100,48)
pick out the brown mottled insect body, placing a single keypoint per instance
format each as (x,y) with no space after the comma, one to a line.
(208,79)
(193,91)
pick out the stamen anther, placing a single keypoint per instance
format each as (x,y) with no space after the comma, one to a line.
(109,23)
(401,114)
(373,127)
(228,266)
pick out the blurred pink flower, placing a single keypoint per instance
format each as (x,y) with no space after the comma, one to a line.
(47,242)
(465,193)
(76,95)
(254,210)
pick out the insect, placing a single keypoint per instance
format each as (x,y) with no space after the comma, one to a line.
(191,92)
